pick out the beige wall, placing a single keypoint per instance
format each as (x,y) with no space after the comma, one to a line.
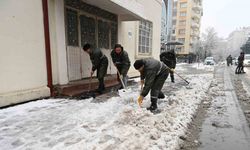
(22,61)
(128,33)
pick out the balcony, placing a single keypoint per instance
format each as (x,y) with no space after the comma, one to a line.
(195,25)
(196,14)
(197,7)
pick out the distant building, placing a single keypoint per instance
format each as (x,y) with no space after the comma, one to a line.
(236,39)
(186,19)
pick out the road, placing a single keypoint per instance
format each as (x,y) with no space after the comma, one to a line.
(226,127)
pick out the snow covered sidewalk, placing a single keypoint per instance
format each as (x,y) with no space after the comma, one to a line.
(117,123)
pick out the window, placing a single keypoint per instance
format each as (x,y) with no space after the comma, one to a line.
(183,13)
(175,5)
(72,27)
(145,37)
(181,40)
(88,31)
(182,31)
(103,34)
(182,22)
(173,31)
(113,34)
(183,4)
(94,25)
(174,22)
(174,13)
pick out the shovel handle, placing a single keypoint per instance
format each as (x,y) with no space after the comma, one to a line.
(123,85)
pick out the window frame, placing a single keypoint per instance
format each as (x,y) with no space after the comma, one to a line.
(145,38)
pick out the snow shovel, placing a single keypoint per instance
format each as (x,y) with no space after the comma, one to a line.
(89,94)
(178,75)
(181,77)
(123,85)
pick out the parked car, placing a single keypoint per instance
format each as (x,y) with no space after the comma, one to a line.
(247,60)
(209,61)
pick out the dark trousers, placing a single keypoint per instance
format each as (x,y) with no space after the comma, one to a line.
(172,76)
(101,72)
(157,86)
(123,70)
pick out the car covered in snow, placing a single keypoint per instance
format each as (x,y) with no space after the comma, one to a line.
(247,60)
(209,61)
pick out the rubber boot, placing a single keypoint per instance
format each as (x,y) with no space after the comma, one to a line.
(161,95)
(101,87)
(153,105)
(172,76)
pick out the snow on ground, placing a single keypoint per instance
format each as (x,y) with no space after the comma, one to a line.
(117,123)
(203,67)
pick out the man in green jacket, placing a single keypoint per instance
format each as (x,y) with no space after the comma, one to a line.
(153,75)
(122,63)
(99,63)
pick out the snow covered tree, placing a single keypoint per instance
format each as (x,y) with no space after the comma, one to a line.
(210,41)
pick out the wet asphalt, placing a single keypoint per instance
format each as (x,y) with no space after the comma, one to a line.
(225,127)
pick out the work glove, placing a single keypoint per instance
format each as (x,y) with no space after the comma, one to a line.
(172,69)
(142,82)
(140,99)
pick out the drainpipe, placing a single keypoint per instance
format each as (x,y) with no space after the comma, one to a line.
(47,46)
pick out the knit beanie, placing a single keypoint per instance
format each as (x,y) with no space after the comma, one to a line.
(138,64)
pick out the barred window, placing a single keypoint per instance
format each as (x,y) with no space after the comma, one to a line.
(113,34)
(182,31)
(72,30)
(88,31)
(183,13)
(181,40)
(103,34)
(145,37)
(183,5)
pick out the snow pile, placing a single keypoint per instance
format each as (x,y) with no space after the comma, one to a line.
(115,124)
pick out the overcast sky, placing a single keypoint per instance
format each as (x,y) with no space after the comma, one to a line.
(225,15)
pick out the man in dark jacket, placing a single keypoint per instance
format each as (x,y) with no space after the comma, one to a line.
(99,63)
(240,68)
(169,59)
(229,60)
(122,63)
(153,75)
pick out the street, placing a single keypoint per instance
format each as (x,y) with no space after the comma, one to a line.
(221,124)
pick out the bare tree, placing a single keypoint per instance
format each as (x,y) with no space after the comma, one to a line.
(210,41)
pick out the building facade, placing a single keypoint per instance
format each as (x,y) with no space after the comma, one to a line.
(42,41)
(186,19)
(236,39)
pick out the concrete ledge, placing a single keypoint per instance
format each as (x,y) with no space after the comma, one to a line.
(23,96)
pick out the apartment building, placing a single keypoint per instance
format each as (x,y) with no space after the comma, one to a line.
(186,19)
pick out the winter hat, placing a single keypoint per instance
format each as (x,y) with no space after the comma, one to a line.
(138,64)
(86,46)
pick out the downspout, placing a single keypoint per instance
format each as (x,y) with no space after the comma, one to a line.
(47,46)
